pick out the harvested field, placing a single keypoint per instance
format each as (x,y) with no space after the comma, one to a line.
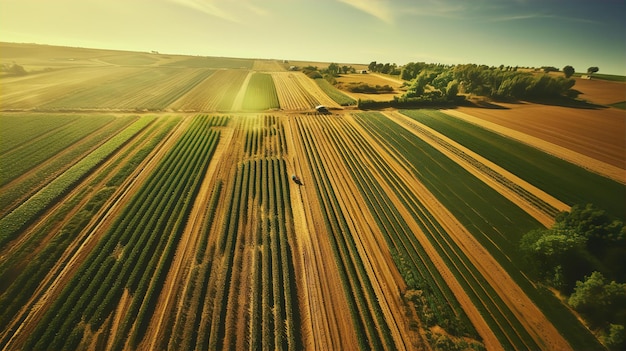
(298,92)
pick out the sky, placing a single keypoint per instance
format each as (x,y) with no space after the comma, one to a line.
(525,33)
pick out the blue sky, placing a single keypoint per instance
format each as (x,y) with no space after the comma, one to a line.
(510,32)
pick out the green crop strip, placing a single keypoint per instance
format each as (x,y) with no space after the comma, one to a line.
(25,214)
(261,93)
(563,180)
(497,223)
(152,221)
(370,326)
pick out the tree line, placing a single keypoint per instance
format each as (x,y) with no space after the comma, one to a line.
(583,255)
(439,82)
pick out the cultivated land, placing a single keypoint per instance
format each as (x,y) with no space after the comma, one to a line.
(148,203)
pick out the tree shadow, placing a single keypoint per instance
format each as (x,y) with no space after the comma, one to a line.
(567,102)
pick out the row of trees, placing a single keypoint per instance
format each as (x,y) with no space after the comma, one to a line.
(584,256)
(437,81)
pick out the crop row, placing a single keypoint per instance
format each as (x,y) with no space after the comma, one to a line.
(291,94)
(216,93)
(265,135)
(440,307)
(14,193)
(536,167)
(260,93)
(22,129)
(420,156)
(14,222)
(136,252)
(128,92)
(526,195)
(21,284)
(251,257)
(369,322)
(26,156)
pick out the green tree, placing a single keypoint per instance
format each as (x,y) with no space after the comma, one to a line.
(334,69)
(602,232)
(568,71)
(452,89)
(553,256)
(418,86)
(599,301)
(616,338)
(592,70)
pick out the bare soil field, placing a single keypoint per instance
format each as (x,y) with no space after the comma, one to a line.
(600,91)
(597,134)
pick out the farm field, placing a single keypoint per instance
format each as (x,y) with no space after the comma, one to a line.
(201,204)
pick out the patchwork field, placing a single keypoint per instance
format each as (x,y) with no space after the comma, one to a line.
(154,202)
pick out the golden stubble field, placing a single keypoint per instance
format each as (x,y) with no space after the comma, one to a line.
(259,260)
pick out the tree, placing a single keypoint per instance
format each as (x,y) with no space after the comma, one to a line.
(556,256)
(616,339)
(601,231)
(568,71)
(372,66)
(601,302)
(452,89)
(334,69)
(418,86)
(592,70)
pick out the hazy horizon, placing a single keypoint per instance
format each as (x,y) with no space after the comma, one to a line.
(523,33)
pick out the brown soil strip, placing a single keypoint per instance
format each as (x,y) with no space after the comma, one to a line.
(489,339)
(533,320)
(424,132)
(324,300)
(184,256)
(367,237)
(605,169)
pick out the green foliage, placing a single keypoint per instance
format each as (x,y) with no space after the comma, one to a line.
(418,86)
(552,254)
(548,69)
(616,337)
(592,70)
(15,221)
(452,89)
(568,71)
(369,89)
(312,72)
(601,231)
(600,301)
